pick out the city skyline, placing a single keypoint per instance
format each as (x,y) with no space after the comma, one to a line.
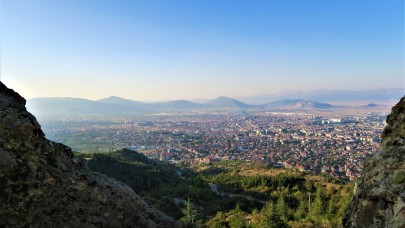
(160,50)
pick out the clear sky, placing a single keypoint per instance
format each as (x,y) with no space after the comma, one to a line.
(172,49)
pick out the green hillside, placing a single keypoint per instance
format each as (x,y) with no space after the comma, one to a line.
(230,193)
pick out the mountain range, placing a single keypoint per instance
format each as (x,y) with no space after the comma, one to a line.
(376,95)
(117,105)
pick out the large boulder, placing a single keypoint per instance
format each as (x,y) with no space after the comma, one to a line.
(42,183)
(379,199)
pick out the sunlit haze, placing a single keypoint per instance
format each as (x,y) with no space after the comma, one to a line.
(162,50)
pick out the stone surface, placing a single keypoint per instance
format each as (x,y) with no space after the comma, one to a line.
(379,199)
(44,185)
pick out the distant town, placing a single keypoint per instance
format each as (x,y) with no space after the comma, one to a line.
(336,146)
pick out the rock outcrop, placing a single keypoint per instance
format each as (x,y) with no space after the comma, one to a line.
(42,184)
(379,199)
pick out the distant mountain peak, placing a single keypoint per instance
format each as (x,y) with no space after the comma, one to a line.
(376,95)
(297,104)
(371,105)
(123,102)
(227,102)
(224,98)
(113,97)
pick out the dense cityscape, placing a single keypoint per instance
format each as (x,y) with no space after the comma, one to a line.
(335,145)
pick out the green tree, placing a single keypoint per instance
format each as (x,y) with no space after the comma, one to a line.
(318,207)
(344,205)
(332,208)
(237,218)
(189,212)
(282,208)
(219,221)
(269,217)
(302,209)
(309,185)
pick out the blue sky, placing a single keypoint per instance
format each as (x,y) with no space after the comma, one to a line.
(161,49)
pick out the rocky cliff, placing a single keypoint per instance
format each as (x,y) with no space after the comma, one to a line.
(379,200)
(44,185)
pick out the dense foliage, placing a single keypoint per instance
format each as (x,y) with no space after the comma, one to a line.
(231,194)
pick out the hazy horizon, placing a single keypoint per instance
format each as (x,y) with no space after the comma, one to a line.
(168,50)
(288,93)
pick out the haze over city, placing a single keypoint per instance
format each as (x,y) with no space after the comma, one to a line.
(163,50)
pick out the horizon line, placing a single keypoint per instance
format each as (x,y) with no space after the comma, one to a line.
(269,95)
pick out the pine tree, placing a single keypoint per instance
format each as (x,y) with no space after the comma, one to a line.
(309,185)
(237,218)
(282,208)
(332,208)
(219,221)
(302,209)
(189,212)
(318,207)
(270,217)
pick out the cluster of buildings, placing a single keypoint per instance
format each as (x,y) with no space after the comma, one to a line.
(335,145)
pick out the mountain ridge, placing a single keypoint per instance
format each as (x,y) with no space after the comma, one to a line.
(227,102)
(329,96)
(119,100)
(299,104)
(117,105)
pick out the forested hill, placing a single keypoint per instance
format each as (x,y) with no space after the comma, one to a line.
(230,193)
